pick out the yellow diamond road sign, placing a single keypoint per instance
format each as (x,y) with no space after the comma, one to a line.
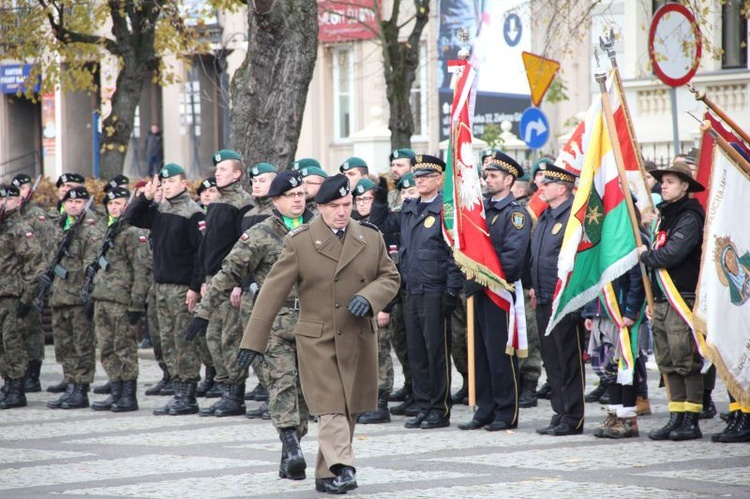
(540,72)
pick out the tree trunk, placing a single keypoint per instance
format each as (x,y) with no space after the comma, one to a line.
(270,88)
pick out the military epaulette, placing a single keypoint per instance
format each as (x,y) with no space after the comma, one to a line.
(298,230)
(368,224)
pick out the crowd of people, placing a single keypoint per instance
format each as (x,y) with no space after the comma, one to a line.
(312,280)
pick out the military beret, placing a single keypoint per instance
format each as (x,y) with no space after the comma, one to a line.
(76,193)
(171,170)
(333,188)
(499,161)
(224,155)
(283,182)
(554,173)
(117,181)
(116,192)
(206,184)
(353,162)
(260,168)
(406,182)
(70,177)
(404,152)
(21,179)
(539,164)
(363,185)
(305,163)
(525,177)
(488,151)
(312,170)
(9,191)
(424,164)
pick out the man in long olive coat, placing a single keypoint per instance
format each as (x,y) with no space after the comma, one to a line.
(344,277)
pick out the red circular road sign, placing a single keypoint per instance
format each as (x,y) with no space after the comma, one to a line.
(674,44)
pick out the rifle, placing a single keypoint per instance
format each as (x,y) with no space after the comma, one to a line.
(29,195)
(45,280)
(101,260)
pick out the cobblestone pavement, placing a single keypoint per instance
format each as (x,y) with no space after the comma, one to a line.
(47,452)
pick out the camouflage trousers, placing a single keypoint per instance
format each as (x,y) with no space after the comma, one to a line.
(398,336)
(286,403)
(153,327)
(13,358)
(459,350)
(117,340)
(530,367)
(385,362)
(182,357)
(75,345)
(33,334)
(224,344)
(246,310)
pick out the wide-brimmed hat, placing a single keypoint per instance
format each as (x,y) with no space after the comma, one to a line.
(682,170)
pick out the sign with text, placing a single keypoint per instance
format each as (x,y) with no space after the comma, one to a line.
(13,78)
(346,20)
(489,109)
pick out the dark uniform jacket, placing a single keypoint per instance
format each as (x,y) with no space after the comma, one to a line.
(176,231)
(545,248)
(261,209)
(510,230)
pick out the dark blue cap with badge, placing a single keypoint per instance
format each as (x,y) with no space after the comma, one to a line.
(77,193)
(424,164)
(499,161)
(406,182)
(225,154)
(283,182)
(554,173)
(261,168)
(353,162)
(363,185)
(305,163)
(116,193)
(76,178)
(403,153)
(117,181)
(21,179)
(333,188)
(171,170)
(206,184)
(9,191)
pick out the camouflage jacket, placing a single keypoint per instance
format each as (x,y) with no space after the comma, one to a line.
(81,252)
(125,274)
(20,258)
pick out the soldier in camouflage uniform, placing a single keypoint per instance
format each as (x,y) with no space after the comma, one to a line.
(312,176)
(176,225)
(120,287)
(75,346)
(65,182)
(20,253)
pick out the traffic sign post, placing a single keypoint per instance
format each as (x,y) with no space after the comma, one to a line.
(540,72)
(534,128)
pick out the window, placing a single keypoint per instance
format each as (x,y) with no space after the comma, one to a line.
(733,36)
(190,105)
(419,105)
(343,89)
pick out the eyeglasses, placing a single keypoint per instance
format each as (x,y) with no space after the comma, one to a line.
(365,199)
(292,195)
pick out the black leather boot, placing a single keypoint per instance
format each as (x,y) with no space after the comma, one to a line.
(161,384)
(597,393)
(675,421)
(292,461)
(16,397)
(545,391)
(128,401)
(58,388)
(401,394)
(79,399)
(462,395)
(207,383)
(233,403)
(5,390)
(104,389)
(527,397)
(402,408)
(115,392)
(735,417)
(258,412)
(57,404)
(31,382)
(164,410)
(379,415)
(210,410)
(740,432)
(688,430)
(186,402)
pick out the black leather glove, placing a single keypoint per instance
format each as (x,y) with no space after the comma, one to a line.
(472,287)
(197,326)
(359,306)
(89,309)
(245,357)
(45,281)
(23,310)
(91,271)
(450,301)
(134,317)
(380,195)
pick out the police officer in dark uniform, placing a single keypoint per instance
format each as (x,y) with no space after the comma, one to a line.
(433,282)
(497,372)
(562,348)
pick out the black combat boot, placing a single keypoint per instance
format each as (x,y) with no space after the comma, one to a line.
(211,410)
(545,391)
(16,397)
(164,410)
(79,399)
(207,383)
(292,461)
(462,395)
(128,401)
(115,392)
(233,403)
(157,388)
(379,415)
(5,390)
(740,432)
(59,387)
(186,402)
(709,408)
(31,382)
(675,421)
(401,394)
(735,417)
(527,397)
(404,407)
(597,393)
(57,404)
(688,430)
(104,389)
(258,412)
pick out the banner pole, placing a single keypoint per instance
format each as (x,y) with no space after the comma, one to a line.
(701,96)
(722,142)
(470,351)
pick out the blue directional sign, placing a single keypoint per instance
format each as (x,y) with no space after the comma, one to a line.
(512,29)
(534,128)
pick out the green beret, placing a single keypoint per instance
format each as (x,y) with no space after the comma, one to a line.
(364,185)
(489,151)
(224,155)
(540,164)
(312,170)
(401,153)
(305,163)
(406,181)
(171,170)
(525,177)
(261,168)
(353,162)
